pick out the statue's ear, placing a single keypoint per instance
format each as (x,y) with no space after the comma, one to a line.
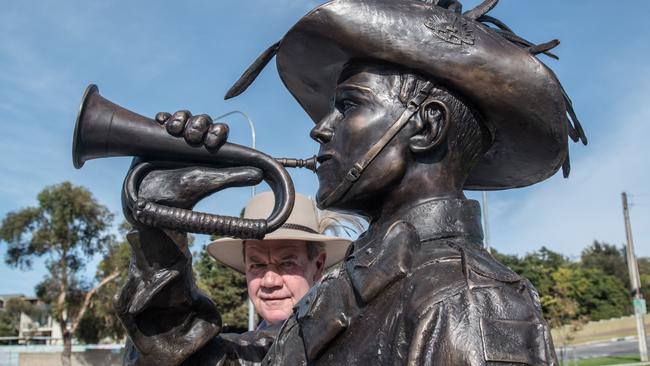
(432,123)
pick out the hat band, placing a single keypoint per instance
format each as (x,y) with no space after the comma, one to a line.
(299,227)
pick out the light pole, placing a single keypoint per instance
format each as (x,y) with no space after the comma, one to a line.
(486,223)
(251,309)
(632,266)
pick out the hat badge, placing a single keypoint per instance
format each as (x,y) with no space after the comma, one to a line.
(456,32)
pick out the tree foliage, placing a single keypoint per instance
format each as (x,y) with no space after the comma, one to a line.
(226,287)
(101,321)
(8,324)
(10,315)
(573,292)
(67,227)
(608,258)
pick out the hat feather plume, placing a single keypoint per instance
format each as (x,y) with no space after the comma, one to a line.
(482,9)
(479,14)
(252,72)
(339,224)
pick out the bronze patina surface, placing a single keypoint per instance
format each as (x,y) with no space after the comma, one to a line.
(414,101)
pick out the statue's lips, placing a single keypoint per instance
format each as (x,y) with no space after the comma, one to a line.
(324,158)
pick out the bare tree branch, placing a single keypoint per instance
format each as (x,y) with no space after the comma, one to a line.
(88,299)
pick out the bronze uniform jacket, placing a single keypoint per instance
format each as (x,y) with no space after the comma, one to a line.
(431,296)
(421,291)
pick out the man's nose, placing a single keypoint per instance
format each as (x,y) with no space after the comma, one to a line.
(323,131)
(271,279)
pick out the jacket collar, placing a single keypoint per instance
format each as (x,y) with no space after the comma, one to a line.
(386,253)
(446,218)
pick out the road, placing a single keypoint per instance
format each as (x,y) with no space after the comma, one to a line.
(607,348)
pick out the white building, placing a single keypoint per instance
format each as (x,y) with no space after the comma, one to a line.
(36,328)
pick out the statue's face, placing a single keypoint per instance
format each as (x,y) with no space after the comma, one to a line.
(366,105)
(278,274)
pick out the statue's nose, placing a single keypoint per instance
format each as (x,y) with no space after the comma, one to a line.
(322,132)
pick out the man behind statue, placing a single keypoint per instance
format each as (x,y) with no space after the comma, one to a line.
(281,268)
(413,102)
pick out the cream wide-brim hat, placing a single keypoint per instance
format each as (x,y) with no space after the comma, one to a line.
(302,224)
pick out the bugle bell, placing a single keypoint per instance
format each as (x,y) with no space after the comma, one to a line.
(104,129)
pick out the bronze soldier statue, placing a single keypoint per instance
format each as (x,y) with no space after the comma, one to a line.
(414,102)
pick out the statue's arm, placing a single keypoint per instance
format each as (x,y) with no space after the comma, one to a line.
(167,318)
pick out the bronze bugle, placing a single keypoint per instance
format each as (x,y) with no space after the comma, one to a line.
(105,129)
(309,163)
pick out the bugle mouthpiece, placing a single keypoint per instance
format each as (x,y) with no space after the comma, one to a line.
(309,163)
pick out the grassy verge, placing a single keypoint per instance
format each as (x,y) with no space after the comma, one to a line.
(598,331)
(611,360)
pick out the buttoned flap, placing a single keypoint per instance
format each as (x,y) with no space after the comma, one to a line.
(374,270)
(513,341)
(324,313)
(484,264)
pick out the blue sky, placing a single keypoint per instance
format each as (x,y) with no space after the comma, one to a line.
(151,56)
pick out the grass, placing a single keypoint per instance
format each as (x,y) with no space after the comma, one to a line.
(600,330)
(611,360)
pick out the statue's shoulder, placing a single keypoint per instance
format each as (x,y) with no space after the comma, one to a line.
(446,268)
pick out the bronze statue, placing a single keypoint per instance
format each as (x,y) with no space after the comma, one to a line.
(414,101)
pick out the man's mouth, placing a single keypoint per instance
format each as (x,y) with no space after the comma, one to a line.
(274,298)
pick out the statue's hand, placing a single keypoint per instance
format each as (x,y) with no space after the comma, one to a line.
(197,130)
(184,187)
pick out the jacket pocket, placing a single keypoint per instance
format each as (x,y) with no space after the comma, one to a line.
(513,341)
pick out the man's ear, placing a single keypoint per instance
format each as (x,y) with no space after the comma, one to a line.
(320,266)
(432,123)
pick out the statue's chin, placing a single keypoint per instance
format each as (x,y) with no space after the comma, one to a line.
(321,195)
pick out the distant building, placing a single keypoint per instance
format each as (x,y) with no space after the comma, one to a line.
(38,327)
(4,298)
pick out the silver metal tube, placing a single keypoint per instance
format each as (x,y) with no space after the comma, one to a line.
(251,308)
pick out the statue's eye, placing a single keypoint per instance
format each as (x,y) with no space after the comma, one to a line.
(346,105)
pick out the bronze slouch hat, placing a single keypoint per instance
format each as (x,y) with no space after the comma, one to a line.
(489,67)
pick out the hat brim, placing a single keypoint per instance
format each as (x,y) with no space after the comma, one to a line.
(515,94)
(229,251)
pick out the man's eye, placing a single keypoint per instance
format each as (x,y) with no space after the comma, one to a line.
(256,266)
(288,264)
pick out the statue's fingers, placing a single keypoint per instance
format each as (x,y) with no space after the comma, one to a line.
(196,128)
(176,124)
(216,136)
(162,117)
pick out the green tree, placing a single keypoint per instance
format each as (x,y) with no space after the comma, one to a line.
(606,257)
(10,315)
(598,295)
(101,321)
(226,287)
(644,272)
(67,227)
(537,267)
(570,292)
(8,325)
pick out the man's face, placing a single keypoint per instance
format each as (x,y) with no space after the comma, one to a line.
(279,274)
(366,105)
